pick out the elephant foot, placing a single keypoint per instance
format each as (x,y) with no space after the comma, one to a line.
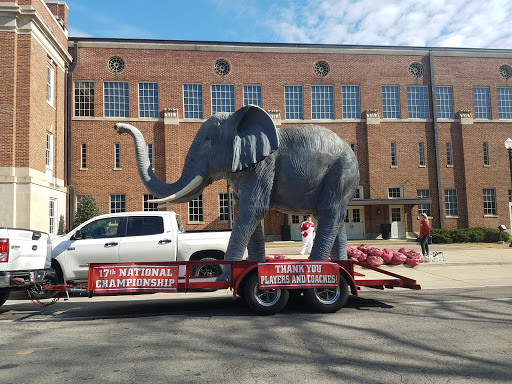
(226,275)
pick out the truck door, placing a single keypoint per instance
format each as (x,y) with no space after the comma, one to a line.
(98,243)
(147,240)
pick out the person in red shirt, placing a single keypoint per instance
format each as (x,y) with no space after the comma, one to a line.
(308,234)
(424,234)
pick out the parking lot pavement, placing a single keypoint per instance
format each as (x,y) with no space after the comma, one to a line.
(465,266)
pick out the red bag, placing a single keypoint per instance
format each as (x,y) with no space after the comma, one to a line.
(281,257)
(362,257)
(398,258)
(412,261)
(412,255)
(387,255)
(372,251)
(364,248)
(374,261)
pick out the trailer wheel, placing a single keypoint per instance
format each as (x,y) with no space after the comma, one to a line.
(327,300)
(263,302)
(4,295)
(208,270)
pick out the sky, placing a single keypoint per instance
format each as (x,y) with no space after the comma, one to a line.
(427,23)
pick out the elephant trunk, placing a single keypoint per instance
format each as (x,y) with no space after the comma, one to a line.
(155,186)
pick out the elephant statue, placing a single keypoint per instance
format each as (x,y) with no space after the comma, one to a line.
(305,169)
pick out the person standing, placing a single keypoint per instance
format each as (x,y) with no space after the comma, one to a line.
(308,234)
(424,234)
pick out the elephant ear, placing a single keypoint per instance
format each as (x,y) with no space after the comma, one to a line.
(255,137)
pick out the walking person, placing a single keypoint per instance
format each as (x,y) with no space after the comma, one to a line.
(424,235)
(308,235)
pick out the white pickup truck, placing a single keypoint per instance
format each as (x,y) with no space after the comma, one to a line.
(134,237)
(25,260)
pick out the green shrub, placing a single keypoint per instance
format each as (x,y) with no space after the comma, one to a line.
(85,210)
(468,235)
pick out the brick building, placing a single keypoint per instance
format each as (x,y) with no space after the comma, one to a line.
(428,125)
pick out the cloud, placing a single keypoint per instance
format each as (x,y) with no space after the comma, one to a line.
(443,23)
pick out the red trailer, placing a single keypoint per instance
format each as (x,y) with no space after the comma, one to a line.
(265,287)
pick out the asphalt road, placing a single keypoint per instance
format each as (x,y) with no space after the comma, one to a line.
(391,336)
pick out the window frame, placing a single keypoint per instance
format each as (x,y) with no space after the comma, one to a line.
(449,154)
(196,204)
(83,156)
(451,206)
(224,101)
(121,90)
(390,105)
(395,188)
(483,111)
(424,207)
(322,102)
(354,102)
(504,105)
(224,207)
(117,156)
(52,215)
(152,106)
(83,90)
(193,109)
(486,153)
(291,103)
(150,154)
(418,107)
(146,206)
(489,200)
(50,84)
(444,101)
(394,162)
(421,154)
(249,91)
(117,203)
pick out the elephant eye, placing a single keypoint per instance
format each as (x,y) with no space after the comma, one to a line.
(208,139)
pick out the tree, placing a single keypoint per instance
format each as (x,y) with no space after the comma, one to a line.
(85,210)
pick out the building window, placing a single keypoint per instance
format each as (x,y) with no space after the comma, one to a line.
(490,202)
(193,101)
(52,215)
(322,102)
(116,99)
(444,101)
(421,153)
(150,155)
(450,202)
(393,155)
(390,102)
(481,102)
(424,207)
(417,102)
(83,156)
(147,206)
(293,102)
(223,98)
(224,207)
(505,103)
(486,154)
(84,98)
(358,194)
(49,156)
(510,195)
(117,203)
(350,102)
(148,100)
(49,83)
(449,153)
(195,209)
(252,95)
(117,155)
(394,192)
(353,147)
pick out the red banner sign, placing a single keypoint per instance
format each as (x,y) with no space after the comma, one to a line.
(131,278)
(298,275)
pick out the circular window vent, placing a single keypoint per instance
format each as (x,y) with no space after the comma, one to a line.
(506,72)
(116,64)
(321,68)
(222,67)
(416,70)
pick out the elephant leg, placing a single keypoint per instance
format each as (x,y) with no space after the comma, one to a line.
(326,233)
(339,249)
(256,246)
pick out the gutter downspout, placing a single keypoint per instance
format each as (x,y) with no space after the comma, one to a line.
(68,153)
(436,138)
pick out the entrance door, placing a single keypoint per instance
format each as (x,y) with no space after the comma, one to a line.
(396,213)
(354,223)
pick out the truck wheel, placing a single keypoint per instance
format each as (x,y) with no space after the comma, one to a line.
(263,302)
(46,294)
(4,295)
(208,270)
(327,300)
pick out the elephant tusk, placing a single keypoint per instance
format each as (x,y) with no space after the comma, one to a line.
(189,188)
